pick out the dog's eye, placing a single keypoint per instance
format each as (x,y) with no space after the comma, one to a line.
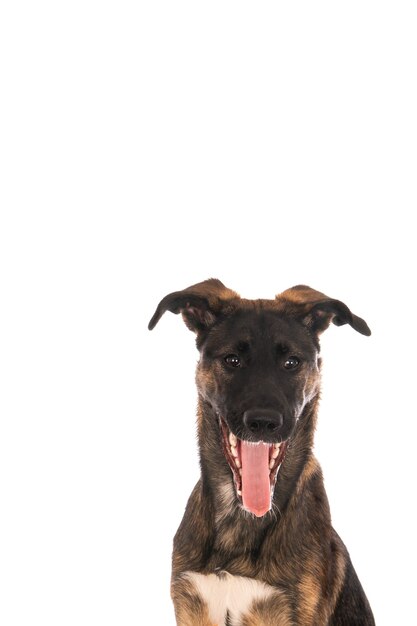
(233,360)
(291,363)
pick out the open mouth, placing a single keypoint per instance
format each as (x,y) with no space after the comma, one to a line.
(254,467)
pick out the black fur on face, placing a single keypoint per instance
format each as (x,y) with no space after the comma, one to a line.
(257,370)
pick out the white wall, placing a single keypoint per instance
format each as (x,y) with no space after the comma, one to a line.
(145,147)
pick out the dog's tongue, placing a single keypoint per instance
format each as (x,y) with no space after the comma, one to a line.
(256,490)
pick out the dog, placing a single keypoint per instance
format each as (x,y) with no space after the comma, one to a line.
(256,545)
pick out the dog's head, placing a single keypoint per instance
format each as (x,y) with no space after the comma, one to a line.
(258,370)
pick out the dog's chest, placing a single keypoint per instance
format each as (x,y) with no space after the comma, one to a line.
(227,596)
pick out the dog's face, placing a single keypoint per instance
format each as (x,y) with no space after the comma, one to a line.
(257,370)
(259,367)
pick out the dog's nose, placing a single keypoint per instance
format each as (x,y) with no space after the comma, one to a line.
(263,421)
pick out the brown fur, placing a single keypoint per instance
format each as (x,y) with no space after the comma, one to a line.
(189,608)
(292,549)
(271,612)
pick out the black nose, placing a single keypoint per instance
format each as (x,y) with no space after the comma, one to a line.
(263,421)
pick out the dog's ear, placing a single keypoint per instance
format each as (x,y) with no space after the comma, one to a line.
(317,311)
(199,304)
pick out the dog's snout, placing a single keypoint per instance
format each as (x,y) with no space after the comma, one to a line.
(263,421)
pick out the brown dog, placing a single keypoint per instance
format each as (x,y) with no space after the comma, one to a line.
(256,545)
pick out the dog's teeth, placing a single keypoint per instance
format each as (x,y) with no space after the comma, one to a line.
(234,451)
(275,453)
(239,493)
(271,463)
(277,446)
(240,471)
(232,439)
(237,462)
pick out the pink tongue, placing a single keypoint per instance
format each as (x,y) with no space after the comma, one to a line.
(256,490)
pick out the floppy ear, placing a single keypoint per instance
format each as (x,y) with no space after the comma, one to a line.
(317,311)
(199,304)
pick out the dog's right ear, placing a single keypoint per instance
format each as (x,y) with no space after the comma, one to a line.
(199,304)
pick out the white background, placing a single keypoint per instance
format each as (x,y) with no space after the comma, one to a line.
(146,146)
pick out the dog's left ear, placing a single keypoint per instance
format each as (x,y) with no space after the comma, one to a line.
(199,304)
(316,310)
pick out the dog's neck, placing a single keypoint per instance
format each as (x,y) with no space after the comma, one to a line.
(233,533)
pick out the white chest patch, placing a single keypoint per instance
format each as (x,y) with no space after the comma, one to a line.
(225,592)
